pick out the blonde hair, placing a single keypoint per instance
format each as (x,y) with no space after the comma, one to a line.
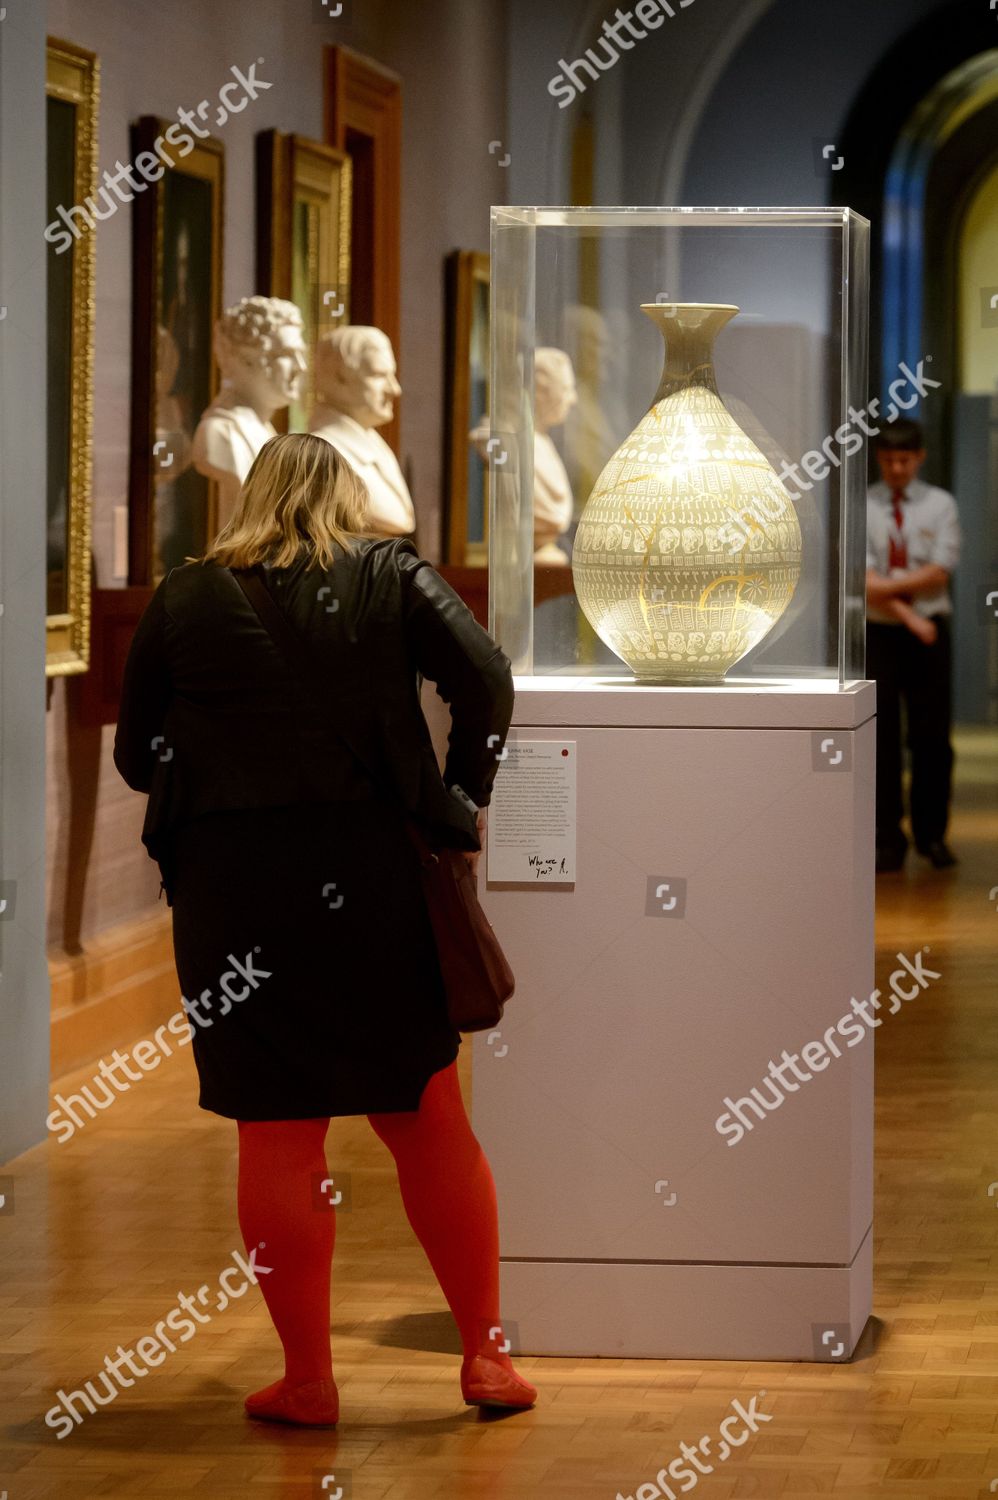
(300,492)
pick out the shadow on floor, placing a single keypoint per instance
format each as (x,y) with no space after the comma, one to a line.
(434,1332)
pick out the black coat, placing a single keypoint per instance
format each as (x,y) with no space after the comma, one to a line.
(212,718)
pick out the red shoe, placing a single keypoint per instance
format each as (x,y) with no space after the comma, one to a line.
(486,1382)
(314,1404)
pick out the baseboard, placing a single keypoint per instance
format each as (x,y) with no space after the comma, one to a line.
(122,986)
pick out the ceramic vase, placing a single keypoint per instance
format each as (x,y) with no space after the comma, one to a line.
(688,550)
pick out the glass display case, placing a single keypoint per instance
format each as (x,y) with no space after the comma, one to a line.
(678,442)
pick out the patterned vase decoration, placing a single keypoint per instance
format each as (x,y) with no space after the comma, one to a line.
(662,566)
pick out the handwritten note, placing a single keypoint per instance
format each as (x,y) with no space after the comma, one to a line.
(531,837)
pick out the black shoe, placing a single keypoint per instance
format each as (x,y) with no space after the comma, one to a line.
(939,855)
(890,857)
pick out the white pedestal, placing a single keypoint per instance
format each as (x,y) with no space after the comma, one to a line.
(629,1224)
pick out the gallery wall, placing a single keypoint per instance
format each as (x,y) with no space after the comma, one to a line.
(159,55)
(719,105)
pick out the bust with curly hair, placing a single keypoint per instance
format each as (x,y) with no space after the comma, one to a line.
(260,347)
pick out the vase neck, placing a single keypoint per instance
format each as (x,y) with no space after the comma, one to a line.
(689,331)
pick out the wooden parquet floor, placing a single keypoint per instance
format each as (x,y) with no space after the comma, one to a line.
(109,1227)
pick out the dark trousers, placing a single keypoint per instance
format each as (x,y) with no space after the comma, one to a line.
(905,669)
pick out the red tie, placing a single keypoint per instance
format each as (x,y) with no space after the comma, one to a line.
(898,552)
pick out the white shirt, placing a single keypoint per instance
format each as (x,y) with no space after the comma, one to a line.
(930,529)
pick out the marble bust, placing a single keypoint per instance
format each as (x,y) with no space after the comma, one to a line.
(260,347)
(355,392)
(555,394)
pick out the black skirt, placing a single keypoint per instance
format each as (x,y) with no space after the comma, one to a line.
(307,962)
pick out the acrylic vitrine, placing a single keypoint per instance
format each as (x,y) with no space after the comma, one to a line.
(679,856)
(678,448)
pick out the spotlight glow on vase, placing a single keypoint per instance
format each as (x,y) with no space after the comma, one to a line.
(656,572)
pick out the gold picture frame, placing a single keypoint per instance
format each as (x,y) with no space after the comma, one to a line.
(466,511)
(72,90)
(177,245)
(304,206)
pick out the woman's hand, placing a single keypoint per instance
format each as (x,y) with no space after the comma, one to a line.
(474,855)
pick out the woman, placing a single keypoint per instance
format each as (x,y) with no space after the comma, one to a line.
(300,930)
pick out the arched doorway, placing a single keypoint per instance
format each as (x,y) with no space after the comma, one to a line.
(940,238)
(930,187)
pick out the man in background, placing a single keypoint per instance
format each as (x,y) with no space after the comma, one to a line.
(913,545)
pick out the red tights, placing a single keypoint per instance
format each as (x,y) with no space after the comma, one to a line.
(449,1197)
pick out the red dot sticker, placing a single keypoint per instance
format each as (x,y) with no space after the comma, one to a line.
(564,752)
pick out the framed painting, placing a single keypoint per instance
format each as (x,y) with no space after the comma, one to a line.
(303,236)
(72,90)
(177,298)
(363,117)
(467,406)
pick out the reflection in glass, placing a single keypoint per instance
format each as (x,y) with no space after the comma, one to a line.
(478,406)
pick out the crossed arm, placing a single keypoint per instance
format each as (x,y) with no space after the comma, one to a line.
(893,595)
(926,580)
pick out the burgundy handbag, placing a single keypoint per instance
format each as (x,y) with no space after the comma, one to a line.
(477,977)
(476,973)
